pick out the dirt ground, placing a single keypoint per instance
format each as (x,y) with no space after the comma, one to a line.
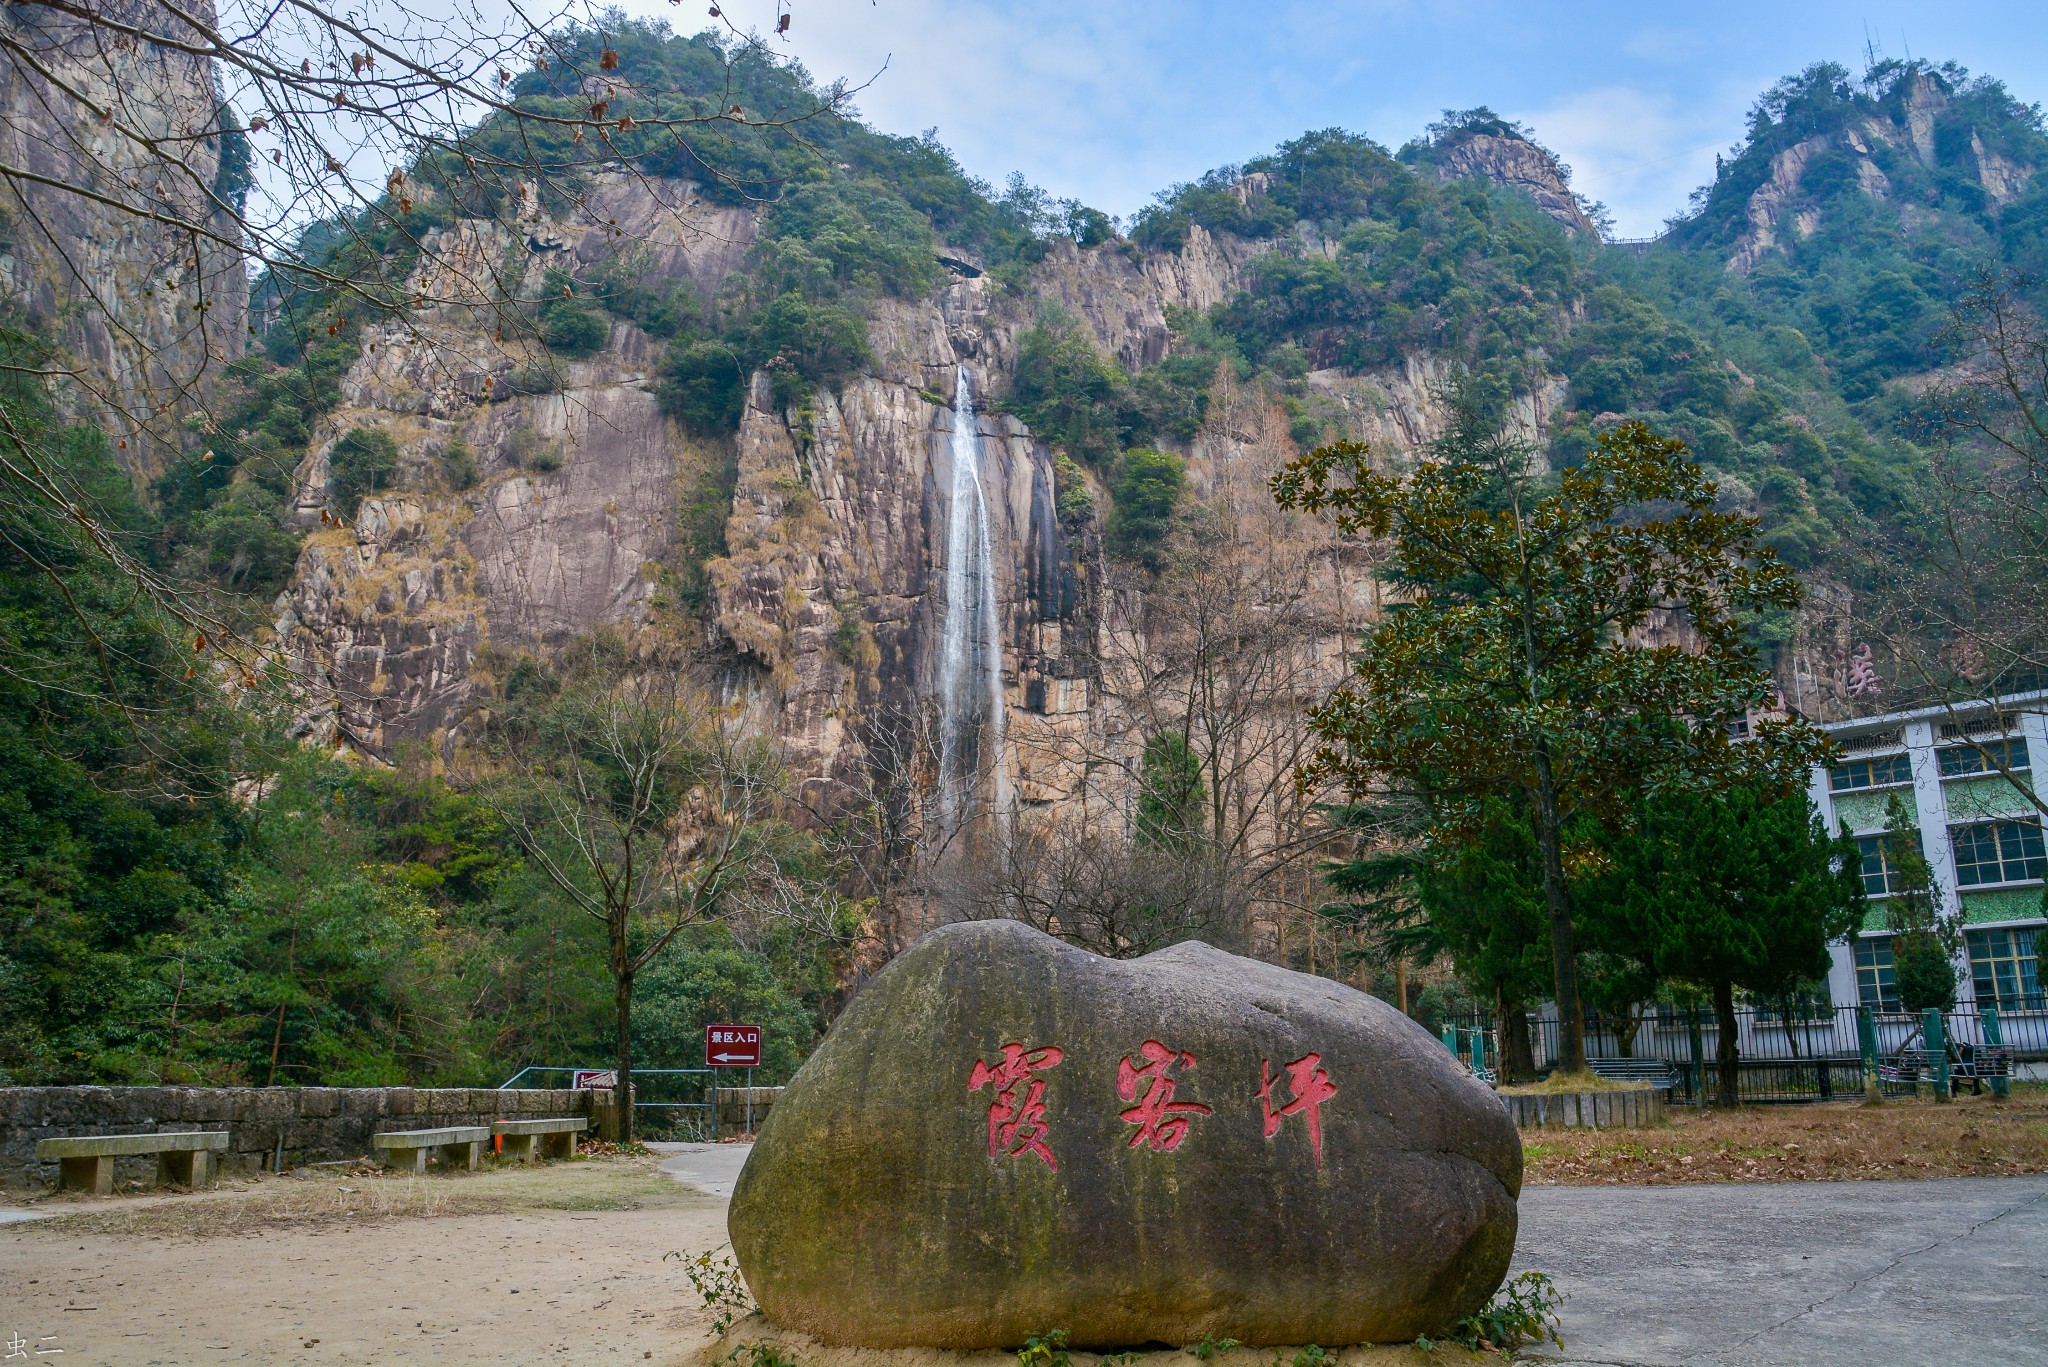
(563,1262)
(1843,1141)
(581,1262)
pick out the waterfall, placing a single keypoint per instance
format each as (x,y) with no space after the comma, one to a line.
(971,710)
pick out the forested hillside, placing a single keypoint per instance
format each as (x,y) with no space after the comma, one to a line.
(208,875)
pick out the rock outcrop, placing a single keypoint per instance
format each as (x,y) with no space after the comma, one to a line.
(1517,164)
(1004,1134)
(151,310)
(563,522)
(1907,140)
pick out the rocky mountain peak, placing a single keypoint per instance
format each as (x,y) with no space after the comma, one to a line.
(1924,138)
(1508,159)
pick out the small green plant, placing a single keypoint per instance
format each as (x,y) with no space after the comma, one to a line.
(1523,1311)
(1314,1355)
(846,634)
(724,1291)
(527,449)
(458,465)
(1211,1346)
(759,1355)
(1048,1349)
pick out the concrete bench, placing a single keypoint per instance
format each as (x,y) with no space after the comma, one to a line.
(556,1137)
(87,1161)
(1655,1071)
(406,1150)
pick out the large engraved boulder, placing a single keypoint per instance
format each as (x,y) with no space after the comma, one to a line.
(1005,1135)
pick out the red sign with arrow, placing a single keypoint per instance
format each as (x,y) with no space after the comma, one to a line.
(732,1046)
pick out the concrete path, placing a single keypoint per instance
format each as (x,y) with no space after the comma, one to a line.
(712,1168)
(1823,1274)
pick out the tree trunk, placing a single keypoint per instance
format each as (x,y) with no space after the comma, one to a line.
(623,1002)
(1724,1019)
(1564,959)
(1518,1055)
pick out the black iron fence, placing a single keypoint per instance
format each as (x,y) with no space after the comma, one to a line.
(668,1103)
(1809,1053)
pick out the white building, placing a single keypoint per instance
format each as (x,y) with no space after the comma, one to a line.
(1982,838)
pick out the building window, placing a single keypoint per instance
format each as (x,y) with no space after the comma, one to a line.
(2003,966)
(1984,757)
(1998,852)
(1877,981)
(1880,872)
(1885,771)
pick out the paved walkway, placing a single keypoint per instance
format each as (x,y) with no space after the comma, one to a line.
(1825,1274)
(712,1168)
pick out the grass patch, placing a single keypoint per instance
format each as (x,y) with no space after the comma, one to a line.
(1834,1142)
(362,1195)
(1559,1084)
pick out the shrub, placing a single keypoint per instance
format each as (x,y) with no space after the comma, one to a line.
(1522,1311)
(526,450)
(458,465)
(1073,398)
(1148,486)
(565,324)
(361,463)
(688,987)
(1070,490)
(704,386)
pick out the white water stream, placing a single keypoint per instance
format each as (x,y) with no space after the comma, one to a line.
(971,710)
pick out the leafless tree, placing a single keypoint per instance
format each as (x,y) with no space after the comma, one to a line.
(1222,654)
(1957,606)
(1097,889)
(642,804)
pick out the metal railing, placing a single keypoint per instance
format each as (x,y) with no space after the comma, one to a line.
(1806,1053)
(658,1092)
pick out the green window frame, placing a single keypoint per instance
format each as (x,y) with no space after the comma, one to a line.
(1880,873)
(1877,976)
(2004,967)
(1978,758)
(1990,852)
(1882,771)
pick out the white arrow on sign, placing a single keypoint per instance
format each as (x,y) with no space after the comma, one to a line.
(727,1058)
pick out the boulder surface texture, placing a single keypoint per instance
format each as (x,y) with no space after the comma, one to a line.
(1005,1135)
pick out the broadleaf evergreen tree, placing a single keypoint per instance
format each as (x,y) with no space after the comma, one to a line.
(1512,669)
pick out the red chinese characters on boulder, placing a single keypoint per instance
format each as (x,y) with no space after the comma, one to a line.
(1311,1086)
(1016,1118)
(1162,1122)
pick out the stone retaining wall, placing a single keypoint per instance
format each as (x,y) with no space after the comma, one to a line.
(732,1107)
(1586,1110)
(310,1124)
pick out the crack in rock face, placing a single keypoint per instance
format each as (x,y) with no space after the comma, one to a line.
(1005,1134)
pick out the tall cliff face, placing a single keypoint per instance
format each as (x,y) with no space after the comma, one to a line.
(567,522)
(830,598)
(151,309)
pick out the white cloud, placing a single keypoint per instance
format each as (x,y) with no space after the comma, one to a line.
(1640,152)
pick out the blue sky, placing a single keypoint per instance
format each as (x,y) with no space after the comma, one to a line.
(1108,101)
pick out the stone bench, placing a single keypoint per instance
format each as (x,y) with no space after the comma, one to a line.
(406,1150)
(87,1161)
(557,1137)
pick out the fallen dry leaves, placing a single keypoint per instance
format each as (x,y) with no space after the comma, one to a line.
(1838,1141)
